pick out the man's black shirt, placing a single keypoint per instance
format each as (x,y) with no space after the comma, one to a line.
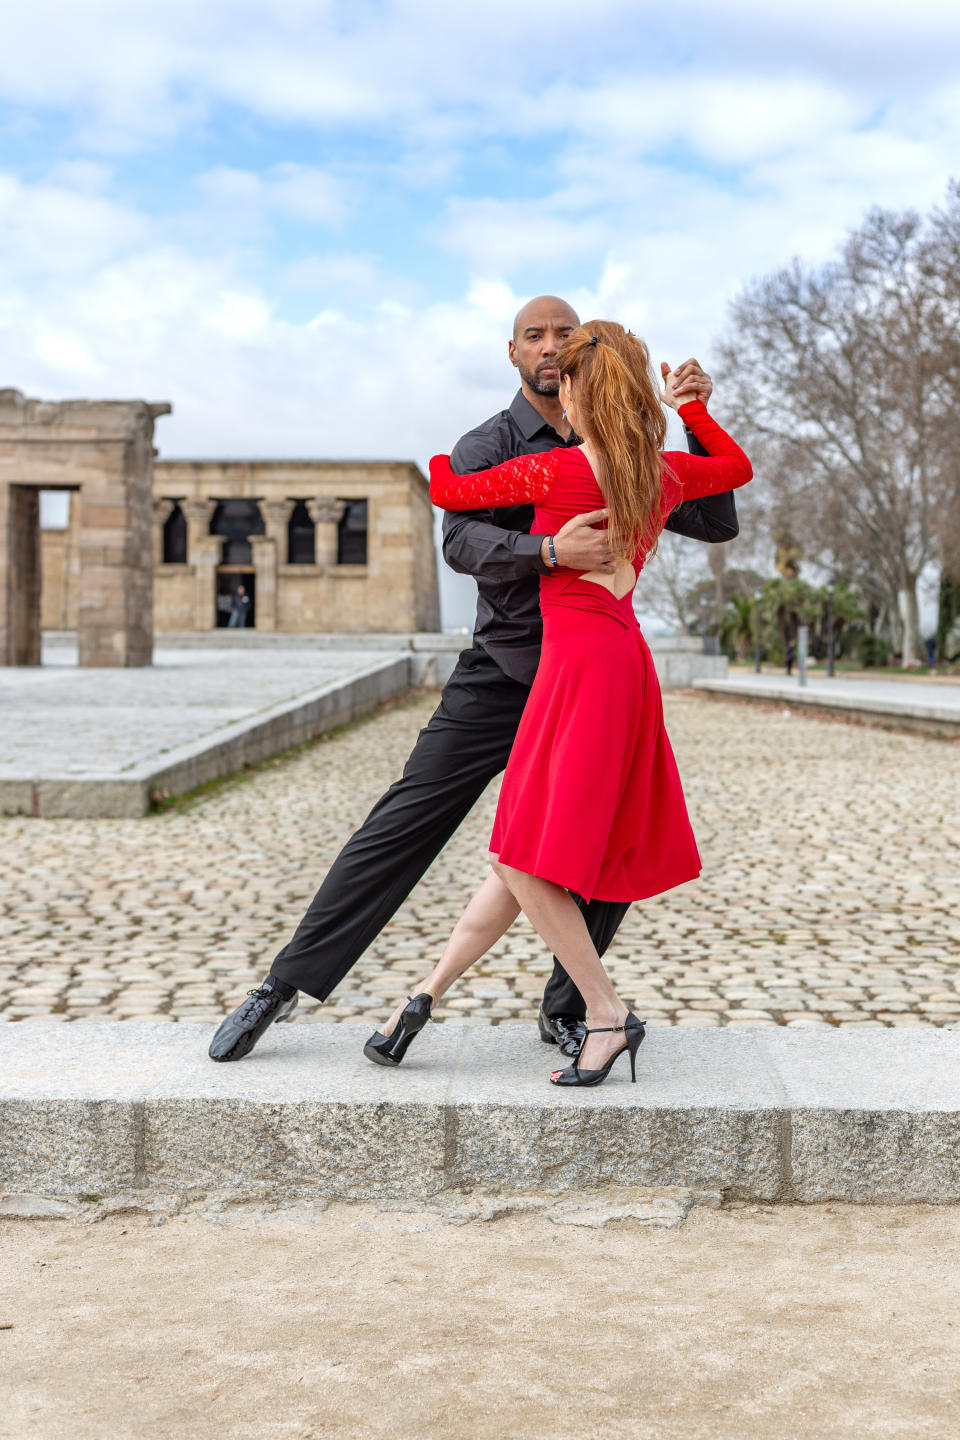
(497,549)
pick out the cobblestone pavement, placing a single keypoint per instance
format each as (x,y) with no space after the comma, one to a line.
(830,893)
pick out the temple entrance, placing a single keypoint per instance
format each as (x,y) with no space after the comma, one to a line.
(103,450)
(232,613)
(29,511)
(23,575)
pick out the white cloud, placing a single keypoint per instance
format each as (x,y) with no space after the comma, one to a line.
(52,228)
(131,73)
(731,118)
(299,192)
(495,235)
(67,353)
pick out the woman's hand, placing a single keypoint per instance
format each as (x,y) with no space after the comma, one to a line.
(687,382)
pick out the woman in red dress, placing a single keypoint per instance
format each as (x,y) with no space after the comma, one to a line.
(591,800)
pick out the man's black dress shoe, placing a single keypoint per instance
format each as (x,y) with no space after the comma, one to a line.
(240,1031)
(563,1030)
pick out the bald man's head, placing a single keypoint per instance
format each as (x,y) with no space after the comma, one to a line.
(540,328)
(544,310)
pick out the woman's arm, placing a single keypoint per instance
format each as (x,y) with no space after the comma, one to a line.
(710,518)
(524,481)
(724,467)
(476,542)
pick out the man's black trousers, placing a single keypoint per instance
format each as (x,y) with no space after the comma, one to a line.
(464,745)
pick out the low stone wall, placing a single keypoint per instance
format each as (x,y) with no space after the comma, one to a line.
(679,660)
(138,1110)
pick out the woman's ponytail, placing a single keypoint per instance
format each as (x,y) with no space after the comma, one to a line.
(620,414)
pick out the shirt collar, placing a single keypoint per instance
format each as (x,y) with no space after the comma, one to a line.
(529,421)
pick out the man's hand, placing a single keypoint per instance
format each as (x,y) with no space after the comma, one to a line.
(580,547)
(687,382)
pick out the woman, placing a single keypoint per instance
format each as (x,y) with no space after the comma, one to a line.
(591,800)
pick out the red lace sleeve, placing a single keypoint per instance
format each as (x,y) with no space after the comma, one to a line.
(724,467)
(524,481)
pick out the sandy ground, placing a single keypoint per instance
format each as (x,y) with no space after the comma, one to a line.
(746,1323)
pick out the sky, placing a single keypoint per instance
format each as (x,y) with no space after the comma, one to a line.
(308,225)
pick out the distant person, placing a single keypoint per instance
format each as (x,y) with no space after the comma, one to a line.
(239,610)
(467,741)
(790,655)
(931,644)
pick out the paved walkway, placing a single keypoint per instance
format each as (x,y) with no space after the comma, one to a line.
(830,894)
(921,699)
(58,719)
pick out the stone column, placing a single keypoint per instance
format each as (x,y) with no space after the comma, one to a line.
(264,549)
(326,515)
(203,553)
(276,517)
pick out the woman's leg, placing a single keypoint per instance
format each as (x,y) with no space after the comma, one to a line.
(559,922)
(489,915)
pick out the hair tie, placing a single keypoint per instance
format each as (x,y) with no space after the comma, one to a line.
(593,340)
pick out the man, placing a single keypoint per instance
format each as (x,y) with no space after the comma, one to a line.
(239,609)
(468,739)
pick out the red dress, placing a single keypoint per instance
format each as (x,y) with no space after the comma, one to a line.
(591,797)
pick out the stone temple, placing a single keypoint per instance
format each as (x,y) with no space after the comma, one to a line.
(139,544)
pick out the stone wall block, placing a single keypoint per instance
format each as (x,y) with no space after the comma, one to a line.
(354,1150)
(68,1146)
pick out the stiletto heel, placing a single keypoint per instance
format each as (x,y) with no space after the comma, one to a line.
(634,1041)
(390,1049)
(633,1032)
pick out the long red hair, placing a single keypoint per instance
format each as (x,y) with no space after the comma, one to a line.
(620,414)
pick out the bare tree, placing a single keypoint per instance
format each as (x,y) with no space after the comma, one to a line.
(944,269)
(844,383)
(668,578)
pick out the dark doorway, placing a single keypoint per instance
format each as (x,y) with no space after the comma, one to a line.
(301,537)
(352,534)
(175,537)
(229,580)
(23,575)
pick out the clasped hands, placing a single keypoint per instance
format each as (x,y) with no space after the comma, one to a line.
(578,545)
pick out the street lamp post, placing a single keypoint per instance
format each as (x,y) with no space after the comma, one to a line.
(757,594)
(830,589)
(703,623)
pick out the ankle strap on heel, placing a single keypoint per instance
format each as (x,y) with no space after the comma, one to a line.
(615,1029)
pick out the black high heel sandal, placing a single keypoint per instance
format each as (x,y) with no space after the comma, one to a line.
(633,1030)
(390,1049)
